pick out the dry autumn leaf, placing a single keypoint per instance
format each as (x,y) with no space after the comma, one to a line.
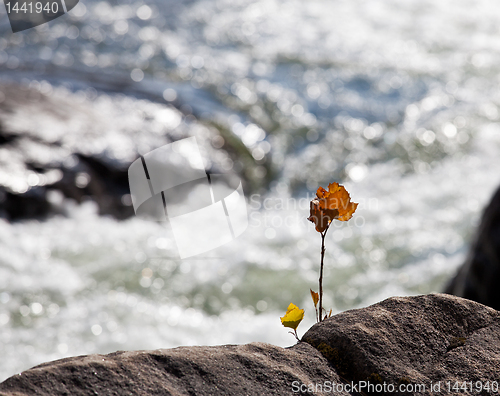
(329,205)
(315,297)
(293,316)
(321,217)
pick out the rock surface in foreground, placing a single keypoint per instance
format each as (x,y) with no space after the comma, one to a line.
(413,340)
(252,369)
(399,341)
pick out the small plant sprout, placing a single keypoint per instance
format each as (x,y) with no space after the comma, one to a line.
(315,297)
(292,318)
(334,204)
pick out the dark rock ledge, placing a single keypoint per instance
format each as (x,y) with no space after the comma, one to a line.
(478,278)
(401,340)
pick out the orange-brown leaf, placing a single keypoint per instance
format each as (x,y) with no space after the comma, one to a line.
(337,198)
(329,205)
(321,217)
(347,213)
(315,297)
(321,192)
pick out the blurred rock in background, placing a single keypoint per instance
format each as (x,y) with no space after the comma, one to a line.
(479,276)
(58,145)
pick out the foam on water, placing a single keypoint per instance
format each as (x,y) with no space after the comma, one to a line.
(87,284)
(398,100)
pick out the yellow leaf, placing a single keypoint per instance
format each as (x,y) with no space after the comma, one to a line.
(315,297)
(293,317)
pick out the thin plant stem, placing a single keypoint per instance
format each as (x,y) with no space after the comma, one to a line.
(323,234)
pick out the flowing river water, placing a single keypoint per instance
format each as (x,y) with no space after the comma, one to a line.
(397,100)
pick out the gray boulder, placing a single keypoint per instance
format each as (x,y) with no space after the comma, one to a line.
(402,345)
(75,144)
(434,338)
(253,369)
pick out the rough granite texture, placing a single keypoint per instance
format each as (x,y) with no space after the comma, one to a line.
(252,369)
(401,340)
(420,339)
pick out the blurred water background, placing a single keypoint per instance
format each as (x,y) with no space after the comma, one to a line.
(397,100)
